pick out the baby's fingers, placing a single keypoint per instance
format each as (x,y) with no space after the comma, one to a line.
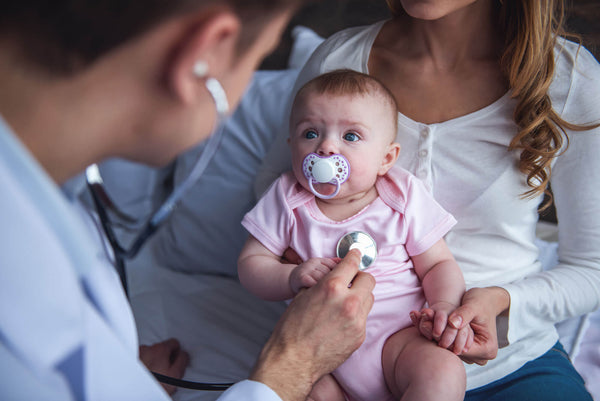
(423,320)
(440,321)
(330,263)
(448,337)
(460,342)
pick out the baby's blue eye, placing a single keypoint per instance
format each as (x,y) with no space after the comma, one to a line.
(351,137)
(310,134)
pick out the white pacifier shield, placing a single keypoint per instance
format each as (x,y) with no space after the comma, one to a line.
(323,171)
(326,169)
(333,169)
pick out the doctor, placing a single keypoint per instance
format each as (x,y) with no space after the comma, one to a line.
(90,79)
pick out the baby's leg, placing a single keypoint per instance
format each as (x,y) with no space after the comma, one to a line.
(417,369)
(326,389)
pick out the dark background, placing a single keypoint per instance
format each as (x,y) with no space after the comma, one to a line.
(329,16)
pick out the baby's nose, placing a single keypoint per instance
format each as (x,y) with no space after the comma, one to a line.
(327,147)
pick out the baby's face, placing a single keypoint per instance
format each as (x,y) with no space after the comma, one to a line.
(359,127)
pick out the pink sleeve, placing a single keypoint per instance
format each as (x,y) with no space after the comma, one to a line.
(270,221)
(426,221)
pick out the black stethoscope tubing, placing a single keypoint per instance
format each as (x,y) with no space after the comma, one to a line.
(121,253)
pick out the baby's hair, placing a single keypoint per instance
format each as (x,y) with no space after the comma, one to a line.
(348,82)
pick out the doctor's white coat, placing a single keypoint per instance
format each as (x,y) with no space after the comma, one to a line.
(66,328)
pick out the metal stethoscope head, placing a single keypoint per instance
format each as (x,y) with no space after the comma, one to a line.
(363,242)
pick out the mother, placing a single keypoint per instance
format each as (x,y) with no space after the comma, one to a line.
(494,106)
(90,79)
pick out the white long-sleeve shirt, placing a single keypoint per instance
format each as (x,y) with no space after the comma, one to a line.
(66,329)
(465,163)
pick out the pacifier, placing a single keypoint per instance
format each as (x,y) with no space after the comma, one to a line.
(333,170)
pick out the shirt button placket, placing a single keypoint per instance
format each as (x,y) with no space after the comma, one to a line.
(424,155)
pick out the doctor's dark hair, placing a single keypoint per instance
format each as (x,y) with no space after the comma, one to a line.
(63,36)
(349,82)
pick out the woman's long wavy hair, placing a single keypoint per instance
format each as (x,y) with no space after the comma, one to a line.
(531,29)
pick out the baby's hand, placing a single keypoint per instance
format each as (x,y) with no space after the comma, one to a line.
(310,272)
(433,324)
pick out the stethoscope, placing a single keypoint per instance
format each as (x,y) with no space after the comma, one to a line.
(121,253)
(318,169)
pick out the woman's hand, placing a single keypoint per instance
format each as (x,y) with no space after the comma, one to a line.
(433,324)
(166,358)
(321,327)
(479,309)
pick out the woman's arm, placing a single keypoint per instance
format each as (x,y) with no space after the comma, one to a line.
(572,287)
(569,289)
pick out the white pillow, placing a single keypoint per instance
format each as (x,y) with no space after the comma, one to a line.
(305,42)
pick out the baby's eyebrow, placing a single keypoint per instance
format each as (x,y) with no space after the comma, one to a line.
(353,123)
(309,121)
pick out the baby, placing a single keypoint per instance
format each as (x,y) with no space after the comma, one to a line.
(342,132)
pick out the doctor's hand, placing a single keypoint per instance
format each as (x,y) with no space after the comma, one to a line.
(166,358)
(321,327)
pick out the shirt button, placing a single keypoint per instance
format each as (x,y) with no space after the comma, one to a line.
(423,153)
(425,133)
(422,174)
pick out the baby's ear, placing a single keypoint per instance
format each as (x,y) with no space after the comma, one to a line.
(389,159)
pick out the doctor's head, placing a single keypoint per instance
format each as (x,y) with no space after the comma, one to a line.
(345,113)
(141,65)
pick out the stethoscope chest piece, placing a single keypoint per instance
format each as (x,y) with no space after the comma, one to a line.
(361,241)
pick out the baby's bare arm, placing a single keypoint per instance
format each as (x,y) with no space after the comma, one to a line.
(444,287)
(441,278)
(263,273)
(270,277)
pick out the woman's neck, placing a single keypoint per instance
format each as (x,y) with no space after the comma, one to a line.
(441,69)
(466,34)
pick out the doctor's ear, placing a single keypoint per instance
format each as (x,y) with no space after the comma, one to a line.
(207,48)
(389,159)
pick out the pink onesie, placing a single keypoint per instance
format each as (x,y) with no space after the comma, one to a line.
(404,220)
